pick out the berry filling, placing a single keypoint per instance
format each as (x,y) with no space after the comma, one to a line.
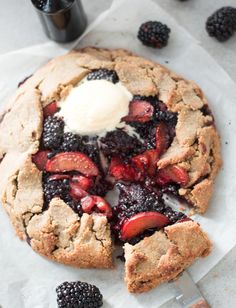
(82,169)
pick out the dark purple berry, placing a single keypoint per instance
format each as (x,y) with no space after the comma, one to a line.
(222,23)
(56,188)
(78,295)
(70,143)
(52,133)
(119,143)
(154,34)
(103,73)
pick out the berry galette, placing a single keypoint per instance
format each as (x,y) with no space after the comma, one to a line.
(92,146)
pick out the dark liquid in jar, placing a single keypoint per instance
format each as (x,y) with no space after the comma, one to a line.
(63,20)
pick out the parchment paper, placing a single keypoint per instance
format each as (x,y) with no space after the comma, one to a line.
(28,280)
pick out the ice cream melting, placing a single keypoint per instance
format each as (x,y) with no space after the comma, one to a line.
(95,107)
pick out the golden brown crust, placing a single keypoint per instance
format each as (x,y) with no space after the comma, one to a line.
(164,255)
(81,242)
(196,147)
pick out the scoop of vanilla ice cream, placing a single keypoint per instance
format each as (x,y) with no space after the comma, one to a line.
(95,106)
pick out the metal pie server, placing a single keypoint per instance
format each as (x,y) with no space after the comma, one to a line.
(187,293)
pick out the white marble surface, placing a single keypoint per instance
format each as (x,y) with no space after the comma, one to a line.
(20,27)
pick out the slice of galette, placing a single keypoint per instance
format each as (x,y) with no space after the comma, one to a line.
(91,145)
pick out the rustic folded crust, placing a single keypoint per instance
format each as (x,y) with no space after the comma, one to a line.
(86,241)
(164,255)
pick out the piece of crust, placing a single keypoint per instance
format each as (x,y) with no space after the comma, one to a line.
(164,255)
(57,233)
(61,235)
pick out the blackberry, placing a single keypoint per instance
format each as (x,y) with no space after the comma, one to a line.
(71,142)
(52,132)
(154,34)
(222,23)
(89,146)
(162,114)
(103,73)
(78,295)
(55,188)
(151,99)
(120,143)
(134,199)
(76,206)
(173,216)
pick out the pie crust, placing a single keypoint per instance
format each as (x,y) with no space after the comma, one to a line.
(59,233)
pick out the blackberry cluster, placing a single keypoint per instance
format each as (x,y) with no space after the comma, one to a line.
(134,199)
(222,23)
(52,133)
(119,143)
(154,34)
(103,73)
(55,188)
(71,142)
(78,295)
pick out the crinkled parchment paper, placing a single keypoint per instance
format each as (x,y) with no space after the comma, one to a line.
(28,280)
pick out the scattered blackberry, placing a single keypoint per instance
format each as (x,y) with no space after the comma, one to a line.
(120,143)
(154,34)
(71,142)
(78,295)
(222,23)
(52,132)
(55,188)
(103,73)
